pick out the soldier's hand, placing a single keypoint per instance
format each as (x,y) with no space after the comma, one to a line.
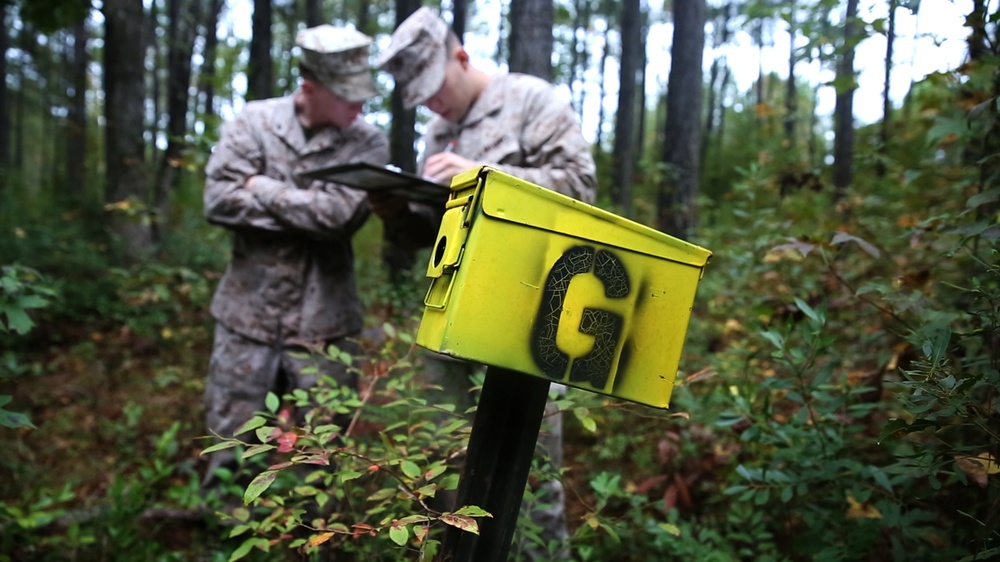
(443,166)
(386,205)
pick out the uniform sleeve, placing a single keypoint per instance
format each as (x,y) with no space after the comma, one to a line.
(325,210)
(237,156)
(322,210)
(556,155)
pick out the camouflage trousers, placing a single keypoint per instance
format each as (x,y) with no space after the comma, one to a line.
(242,371)
(541,534)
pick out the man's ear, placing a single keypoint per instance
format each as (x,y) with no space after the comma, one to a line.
(462,56)
(307,86)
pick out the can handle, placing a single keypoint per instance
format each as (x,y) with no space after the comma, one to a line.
(447,292)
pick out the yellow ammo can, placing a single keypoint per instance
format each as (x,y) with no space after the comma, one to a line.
(530,280)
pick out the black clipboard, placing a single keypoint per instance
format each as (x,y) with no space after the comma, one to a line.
(370,177)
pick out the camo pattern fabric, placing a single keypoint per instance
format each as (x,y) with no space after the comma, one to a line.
(291,276)
(520,126)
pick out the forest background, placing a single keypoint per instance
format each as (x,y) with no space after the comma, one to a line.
(837,398)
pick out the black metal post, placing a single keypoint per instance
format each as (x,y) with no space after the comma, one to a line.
(501,446)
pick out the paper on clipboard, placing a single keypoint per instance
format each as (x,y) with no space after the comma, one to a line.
(370,177)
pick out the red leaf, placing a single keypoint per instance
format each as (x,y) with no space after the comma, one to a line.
(648,484)
(669,497)
(683,491)
(286,443)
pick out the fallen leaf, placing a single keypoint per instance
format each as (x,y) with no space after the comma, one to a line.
(858,510)
(978,467)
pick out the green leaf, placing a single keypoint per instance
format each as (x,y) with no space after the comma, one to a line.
(435,471)
(670,528)
(14,420)
(348,475)
(984,198)
(895,429)
(411,519)
(384,493)
(261,483)
(252,424)
(220,447)
(248,544)
(399,534)
(256,450)
(473,511)
(410,469)
(774,337)
(733,490)
(272,402)
(17,320)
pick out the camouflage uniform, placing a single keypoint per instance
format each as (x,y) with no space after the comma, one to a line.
(521,127)
(290,283)
(518,125)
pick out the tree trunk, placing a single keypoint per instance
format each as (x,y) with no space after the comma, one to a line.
(815,157)
(4,110)
(721,37)
(207,74)
(843,117)
(76,123)
(531,40)
(365,17)
(314,15)
(181,33)
(758,35)
(676,210)
(501,53)
(600,96)
(151,48)
(584,60)
(890,40)
(791,95)
(978,40)
(723,87)
(640,129)
(128,187)
(459,14)
(574,50)
(402,135)
(16,160)
(260,74)
(621,154)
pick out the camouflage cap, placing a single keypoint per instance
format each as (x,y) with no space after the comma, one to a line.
(338,56)
(417,56)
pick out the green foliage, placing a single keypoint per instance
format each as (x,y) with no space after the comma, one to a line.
(371,466)
(814,324)
(838,400)
(21,289)
(52,15)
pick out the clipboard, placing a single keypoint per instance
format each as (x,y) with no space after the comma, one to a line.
(370,177)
